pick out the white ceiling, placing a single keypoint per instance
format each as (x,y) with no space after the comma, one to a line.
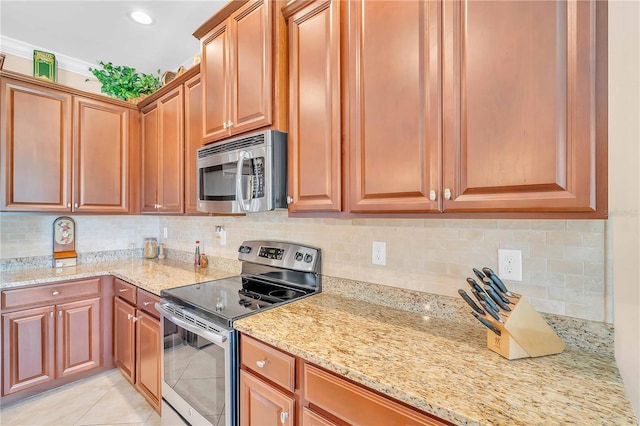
(94,30)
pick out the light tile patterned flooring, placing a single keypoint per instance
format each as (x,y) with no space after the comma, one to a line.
(104,399)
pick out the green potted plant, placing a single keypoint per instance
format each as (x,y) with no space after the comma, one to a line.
(124,82)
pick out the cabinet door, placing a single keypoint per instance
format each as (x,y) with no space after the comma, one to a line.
(251,66)
(393,100)
(150,144)
(310,418)
(78,336)
(36,148)
(27,348)
(519,106)
(148,352)
(171,177)
(215,83)
(192,140)
(101,160)
(262,404)
(124,338)
(315,156)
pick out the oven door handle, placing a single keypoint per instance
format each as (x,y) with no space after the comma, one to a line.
(242,155)
(213,337)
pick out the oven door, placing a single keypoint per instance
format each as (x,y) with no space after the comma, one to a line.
(198,367)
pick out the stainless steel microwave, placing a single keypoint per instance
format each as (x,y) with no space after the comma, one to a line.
(246,174)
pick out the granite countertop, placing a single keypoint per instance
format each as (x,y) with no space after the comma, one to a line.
(151,275)
(444,367)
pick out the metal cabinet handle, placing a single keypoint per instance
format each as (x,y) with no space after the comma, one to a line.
(224,125)
(289,200)
(76,205)
(283,417)
(146,303)
(68,205)
(59,313)
(447,194)
(129,316)
(51,314)
(432,195)
(135,319)
(55,293)
(229,123)
(122,290)
(262,363)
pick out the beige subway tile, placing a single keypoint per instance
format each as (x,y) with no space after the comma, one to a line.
(528,290)
(529,237)
(549,225)
(441,234)
(574,295)
(594,269)
(499,235)
(514,224)
(584,254)
(566,238)
(547,279)
(470,234)
(565,266)
(586,311)
(593,240)
(546,251)
(534,264)
(473,223)
(589,284)
(432,222)
(586,225)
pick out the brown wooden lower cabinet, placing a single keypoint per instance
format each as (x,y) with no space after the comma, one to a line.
(277,388)
(136,339)
(52,334)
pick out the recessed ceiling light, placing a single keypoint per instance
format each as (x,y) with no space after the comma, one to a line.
(141,17)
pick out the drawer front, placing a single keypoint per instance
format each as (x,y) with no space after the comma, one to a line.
(355,404)
(147,301)
(50,293)
(268,362)
(125,290)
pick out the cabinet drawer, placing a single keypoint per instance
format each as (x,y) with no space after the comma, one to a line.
(125,290)
(147,301)
(268,362)
(50,293)
(355,404)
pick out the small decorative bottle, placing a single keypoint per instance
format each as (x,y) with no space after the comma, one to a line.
(203,260)
(196,259)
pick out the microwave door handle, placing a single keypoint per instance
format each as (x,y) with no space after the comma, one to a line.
(242,155)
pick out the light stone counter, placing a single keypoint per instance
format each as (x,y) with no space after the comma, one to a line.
(151,275)
(444,367)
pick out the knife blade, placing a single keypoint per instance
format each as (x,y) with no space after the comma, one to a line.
(492,294)
(491,311)
(470,301)
(490,283)
(487,324)
(496,279)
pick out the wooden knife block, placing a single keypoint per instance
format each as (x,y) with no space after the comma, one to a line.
(524,333)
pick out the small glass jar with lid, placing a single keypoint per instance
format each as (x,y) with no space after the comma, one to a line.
(150,248)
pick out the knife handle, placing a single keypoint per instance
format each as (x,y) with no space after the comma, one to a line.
(470,301)
(489,282)
(474,285)
(491,311)
(487,324)
(496,279)
(496,298)
(486,299)
(479,274)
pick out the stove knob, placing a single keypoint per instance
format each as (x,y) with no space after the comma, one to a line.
(308,258)
(298,256)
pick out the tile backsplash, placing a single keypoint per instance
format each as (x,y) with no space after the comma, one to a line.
(563,260)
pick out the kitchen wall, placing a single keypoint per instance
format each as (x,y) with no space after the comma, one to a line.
(563,261)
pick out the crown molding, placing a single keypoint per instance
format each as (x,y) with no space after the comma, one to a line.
(25,50)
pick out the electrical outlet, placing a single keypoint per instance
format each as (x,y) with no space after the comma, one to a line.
(379,253)
(510,264)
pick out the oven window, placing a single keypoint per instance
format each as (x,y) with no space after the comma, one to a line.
(195,369)
(218,183)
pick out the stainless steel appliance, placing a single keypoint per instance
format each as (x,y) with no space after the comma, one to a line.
(200,359)
(243,175)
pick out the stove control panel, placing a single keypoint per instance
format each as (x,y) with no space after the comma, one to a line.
(281,254)
(271,253)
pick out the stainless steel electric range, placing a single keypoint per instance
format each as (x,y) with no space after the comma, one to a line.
(200,359)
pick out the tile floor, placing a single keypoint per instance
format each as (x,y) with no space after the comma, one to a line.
(104,399)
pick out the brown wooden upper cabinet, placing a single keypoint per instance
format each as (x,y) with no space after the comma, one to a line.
(450,107)
(192,140)
(54,160)
(243,60)
(163,154)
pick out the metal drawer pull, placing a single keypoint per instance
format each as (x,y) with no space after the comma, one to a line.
(262,363)
(122,290)
(55,293)
(146,303)
(283,417)
(129,316)
(135,319)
